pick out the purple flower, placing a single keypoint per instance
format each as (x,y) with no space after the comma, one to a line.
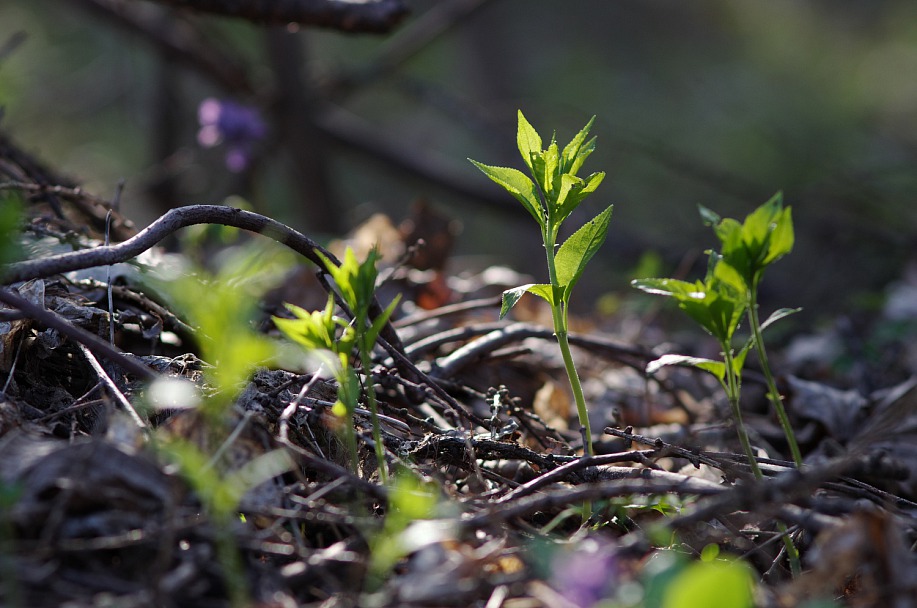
(238,126)
(585,575)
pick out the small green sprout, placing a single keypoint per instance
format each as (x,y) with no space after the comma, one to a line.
(333,339)
(356,285)
(550,193)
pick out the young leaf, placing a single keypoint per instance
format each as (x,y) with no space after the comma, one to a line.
(511,296)
(781,237)
(709,217)
(551,165)
(528,140)
(373,332)
(575,253)
(717,368)
(670,287)
(516,183)
(777,315)
(579,190)
(573,150)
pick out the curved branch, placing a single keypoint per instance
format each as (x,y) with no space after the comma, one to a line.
(166,225)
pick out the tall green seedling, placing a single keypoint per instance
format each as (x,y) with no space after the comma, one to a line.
(750,247)
(728,293)
(550,193)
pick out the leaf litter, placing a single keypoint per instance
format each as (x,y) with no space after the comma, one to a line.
(485,507)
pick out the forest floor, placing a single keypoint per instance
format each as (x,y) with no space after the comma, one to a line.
(120,489)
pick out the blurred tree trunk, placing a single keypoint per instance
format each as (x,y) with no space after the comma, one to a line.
(296,134)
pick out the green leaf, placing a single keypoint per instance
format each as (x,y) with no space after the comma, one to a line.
(708,216)
(670,287)
(782,237)
(729,282)
(777,315)
(519,185)
(511,296)
(528,140)
(379,322)
(550,171)
(575,148)
(717,368)
(575,253)
(715,583)
(579,190)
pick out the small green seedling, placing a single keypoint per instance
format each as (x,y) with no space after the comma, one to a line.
(356,285)
(764,237)
(718,303)
(333,339)
(550,193)
(222,306)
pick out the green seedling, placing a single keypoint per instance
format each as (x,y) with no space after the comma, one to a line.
(764,237)
(726,295)
(333,339)
(356,285)
(550,193)
(717,304)
(223,306)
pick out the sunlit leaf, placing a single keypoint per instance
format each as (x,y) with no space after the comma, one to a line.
(575,253)
(714,583)
(777,315)
(717,368)
(519,185)
(782,237)
(670,287)
(379,322)
(575,152)
(528,140)
(511,296)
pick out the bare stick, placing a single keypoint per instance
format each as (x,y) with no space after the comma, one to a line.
(92,342)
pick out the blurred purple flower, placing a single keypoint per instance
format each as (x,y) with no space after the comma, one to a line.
(585,575)
(238,126)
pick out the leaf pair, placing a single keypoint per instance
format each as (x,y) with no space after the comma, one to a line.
(717,303)
(764,237)
(319,330)
(570,262)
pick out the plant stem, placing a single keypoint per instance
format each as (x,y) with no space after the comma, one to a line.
(772,391)
(366,363)
(559,315)
(733,392)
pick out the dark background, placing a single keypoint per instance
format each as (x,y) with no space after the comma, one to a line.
(720,103)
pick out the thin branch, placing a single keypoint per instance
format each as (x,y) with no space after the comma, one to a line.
(646,483)
(92,342)
(379,16)
(498,335)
